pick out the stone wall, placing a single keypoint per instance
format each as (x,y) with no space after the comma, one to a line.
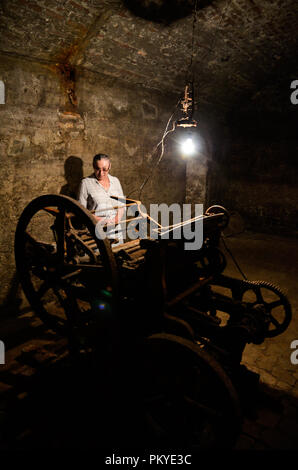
(52,123)
(254,171)
(197,166)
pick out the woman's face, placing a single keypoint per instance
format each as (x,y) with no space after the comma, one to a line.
(101,168)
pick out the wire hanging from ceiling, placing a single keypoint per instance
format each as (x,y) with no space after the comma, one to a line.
(189,77)
(189,73)
(161,142)
(166,131)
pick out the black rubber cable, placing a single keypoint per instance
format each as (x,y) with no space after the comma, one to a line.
(233,258)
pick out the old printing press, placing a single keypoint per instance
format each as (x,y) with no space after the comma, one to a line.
(180,323)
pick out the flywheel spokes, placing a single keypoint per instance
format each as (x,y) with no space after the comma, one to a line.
(275,302)
(66,271)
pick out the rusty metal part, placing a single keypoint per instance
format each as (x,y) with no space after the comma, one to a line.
(275,324)
(189,398)
(168,304)
(54,274)
(216,209)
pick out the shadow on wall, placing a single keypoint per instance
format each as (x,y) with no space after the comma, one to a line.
(73,173)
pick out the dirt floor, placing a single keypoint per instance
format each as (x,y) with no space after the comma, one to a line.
(35,355)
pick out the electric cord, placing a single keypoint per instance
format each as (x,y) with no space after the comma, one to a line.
(188,73)
(166,132)
(195,17)
(233,257)
(162,143)
(158,161)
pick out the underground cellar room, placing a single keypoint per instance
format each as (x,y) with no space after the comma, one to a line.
(148,235)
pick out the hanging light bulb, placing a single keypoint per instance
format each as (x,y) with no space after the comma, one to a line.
(188,147)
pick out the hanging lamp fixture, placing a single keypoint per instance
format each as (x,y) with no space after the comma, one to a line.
(187,103)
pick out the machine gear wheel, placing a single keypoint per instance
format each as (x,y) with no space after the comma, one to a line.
(278,309)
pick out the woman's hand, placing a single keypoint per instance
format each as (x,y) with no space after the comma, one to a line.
(118,216)
(113,221)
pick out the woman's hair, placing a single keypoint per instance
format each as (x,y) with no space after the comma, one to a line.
(100,156)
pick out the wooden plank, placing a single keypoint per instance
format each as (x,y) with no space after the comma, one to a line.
(125,245)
